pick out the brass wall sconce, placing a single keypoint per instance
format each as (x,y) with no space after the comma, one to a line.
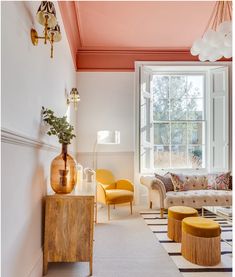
(46,16)
(74,98)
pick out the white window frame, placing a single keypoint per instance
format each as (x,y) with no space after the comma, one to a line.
(138,66)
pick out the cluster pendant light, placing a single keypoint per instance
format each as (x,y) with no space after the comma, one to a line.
(217,38)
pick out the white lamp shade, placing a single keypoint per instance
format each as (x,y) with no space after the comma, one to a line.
(108,137)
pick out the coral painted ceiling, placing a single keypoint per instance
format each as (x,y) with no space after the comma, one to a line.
(111,35)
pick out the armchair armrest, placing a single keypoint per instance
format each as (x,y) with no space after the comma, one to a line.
(101,194)
(124,184)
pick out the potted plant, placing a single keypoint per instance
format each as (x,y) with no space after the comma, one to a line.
(63,167)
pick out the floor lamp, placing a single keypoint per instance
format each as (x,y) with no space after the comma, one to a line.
(104,137)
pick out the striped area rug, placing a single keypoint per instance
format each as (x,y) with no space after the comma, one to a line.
(223,269)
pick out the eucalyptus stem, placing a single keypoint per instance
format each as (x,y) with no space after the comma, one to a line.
(59,126)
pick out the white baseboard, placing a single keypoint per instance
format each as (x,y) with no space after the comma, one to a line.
(36,270)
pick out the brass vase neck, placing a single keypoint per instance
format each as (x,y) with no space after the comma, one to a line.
(64,148)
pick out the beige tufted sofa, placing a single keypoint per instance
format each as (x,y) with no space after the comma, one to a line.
(191,198)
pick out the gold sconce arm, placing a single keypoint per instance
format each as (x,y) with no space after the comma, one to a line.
(35,37)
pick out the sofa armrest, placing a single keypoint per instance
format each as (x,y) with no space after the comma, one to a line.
(152,183)
(158,185)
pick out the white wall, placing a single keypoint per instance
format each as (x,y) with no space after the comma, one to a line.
(30,79)
(107,103)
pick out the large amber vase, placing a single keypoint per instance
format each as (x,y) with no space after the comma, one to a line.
(63,172)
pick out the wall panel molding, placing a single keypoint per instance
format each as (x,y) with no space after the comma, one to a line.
(16,138)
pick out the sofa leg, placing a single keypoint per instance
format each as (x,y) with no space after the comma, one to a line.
(161,212)
(150,205)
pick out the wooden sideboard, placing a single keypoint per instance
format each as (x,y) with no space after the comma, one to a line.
(69,228)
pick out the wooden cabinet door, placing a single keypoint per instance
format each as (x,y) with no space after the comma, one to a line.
(69,228)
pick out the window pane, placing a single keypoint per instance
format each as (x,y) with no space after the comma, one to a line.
(161,110)
(196,156)
(178,133)
(195,109)
(162,133)
(195,133)
(195,86)
(161,156)
(160,86)
(178,109)
(178,87)
(179,156)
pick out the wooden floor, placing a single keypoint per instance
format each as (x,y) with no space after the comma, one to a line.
(123,247)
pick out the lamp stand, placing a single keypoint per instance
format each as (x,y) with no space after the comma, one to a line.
(95,155)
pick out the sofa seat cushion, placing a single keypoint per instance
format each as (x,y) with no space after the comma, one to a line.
(115,196)
(198,198)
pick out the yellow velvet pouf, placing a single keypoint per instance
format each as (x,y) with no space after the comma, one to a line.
(201,241)
(175,216)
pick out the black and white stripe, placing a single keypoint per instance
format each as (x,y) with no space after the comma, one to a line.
(158,226)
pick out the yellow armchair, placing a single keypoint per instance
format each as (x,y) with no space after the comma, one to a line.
(111,192)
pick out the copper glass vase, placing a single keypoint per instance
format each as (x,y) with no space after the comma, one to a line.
(63,172)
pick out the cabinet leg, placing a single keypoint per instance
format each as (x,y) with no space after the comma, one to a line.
(91,269)
(45,266)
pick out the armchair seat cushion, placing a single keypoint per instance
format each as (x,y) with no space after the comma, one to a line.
(116,196)
(198,198)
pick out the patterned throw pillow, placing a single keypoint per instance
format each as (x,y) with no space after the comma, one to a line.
(166,180)
(219,181)
(189,182)
(177,182)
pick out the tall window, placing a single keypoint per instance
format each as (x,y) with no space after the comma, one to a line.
(184,118)
(179,121)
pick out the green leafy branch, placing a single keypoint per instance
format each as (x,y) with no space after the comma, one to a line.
(59,126)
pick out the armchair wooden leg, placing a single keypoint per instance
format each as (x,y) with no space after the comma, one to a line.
(131,206)
(114,206)
(108,212)
(150,205)
(162,212)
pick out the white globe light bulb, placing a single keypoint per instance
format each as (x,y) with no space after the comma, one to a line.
(227,52)
(225,27)
(194,52)
(209,35)
(228,40)
(217,39)
(198,45)
(202,58)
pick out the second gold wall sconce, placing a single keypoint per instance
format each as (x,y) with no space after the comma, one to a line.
(74,98)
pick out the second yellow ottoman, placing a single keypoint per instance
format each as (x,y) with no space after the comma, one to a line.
(175,216)
(201,241)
